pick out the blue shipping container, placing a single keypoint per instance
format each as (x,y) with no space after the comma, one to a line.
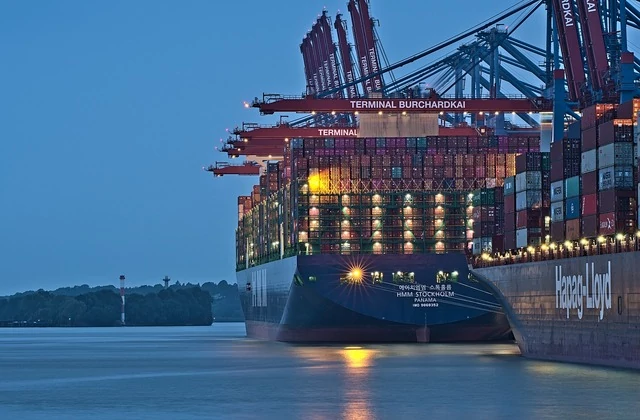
(572,210)
(572,187)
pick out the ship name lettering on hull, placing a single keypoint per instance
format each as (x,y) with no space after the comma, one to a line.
(589,291)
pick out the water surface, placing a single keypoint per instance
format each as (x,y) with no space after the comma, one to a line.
(216,372)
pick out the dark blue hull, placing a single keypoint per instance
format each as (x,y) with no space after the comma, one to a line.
(397,298)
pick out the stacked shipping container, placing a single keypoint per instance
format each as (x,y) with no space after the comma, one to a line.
(617,205)
(531,205)
(510,212)
(609,200)
(382,195)
(565,188)
(488,220)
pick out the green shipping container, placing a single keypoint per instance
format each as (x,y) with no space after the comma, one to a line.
(484,197)
(572,187)
(510,185)
(546,162)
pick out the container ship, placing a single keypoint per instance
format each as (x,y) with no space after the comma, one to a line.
(575,296)
(360,226)
(427,218)
(365,239)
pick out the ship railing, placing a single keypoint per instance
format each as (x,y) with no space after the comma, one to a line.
(601,245)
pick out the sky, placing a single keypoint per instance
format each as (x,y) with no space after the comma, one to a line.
(110,110)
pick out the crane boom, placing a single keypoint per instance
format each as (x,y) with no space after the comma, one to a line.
(324,55)
(361,51)
(567,29)
(370,43)
(596,51)
(316,50)
(345,54)
(312,86)
(224,168)
(330,49)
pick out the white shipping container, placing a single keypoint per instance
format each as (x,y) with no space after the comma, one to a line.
(481,245)
(531,199)
(557,191)
(615,177)
(477,247)
(589,160)
(521,238)
(529,180)
(615,154)
(491,182)
(557,211)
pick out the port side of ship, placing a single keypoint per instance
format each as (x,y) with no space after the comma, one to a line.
(580,309)
(369,298)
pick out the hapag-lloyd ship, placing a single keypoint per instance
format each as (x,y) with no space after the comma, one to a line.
(578,309)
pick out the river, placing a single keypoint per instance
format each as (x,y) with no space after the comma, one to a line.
(216,372)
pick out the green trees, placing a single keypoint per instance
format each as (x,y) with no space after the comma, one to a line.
(183,305)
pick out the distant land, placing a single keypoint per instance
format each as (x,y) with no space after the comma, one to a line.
(84,306)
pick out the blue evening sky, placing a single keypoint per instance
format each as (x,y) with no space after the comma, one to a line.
(109,111)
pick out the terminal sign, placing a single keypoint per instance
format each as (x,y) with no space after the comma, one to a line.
(407,104)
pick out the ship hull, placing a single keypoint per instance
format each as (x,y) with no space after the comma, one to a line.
(311,299)
(584,310)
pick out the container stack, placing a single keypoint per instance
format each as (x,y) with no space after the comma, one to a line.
(380,196)
(509,210)
(530,208)
(617,203)
(244,205)
(488,220)
(565,165)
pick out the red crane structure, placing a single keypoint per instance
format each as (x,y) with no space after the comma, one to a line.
(345,55)
(272,103)
(569,40)
(311,77)
(369,43)
(265,140)
(361,46)
(225,168)
(329,54)
(594,46)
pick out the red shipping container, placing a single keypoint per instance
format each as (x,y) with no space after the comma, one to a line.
(590,182)
(589,204)
(528,219)
(588,118)
(510,222)
(625,110)
(589,138)
(616,200)
(510,204)
(607,224)
(557,231)
(557,171)
(510,240)
(572,229)
(590,226)
(605,133)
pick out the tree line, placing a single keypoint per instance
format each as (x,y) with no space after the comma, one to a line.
(83,306)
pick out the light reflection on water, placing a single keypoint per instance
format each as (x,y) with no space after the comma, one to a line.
(358,362)
(174,373)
